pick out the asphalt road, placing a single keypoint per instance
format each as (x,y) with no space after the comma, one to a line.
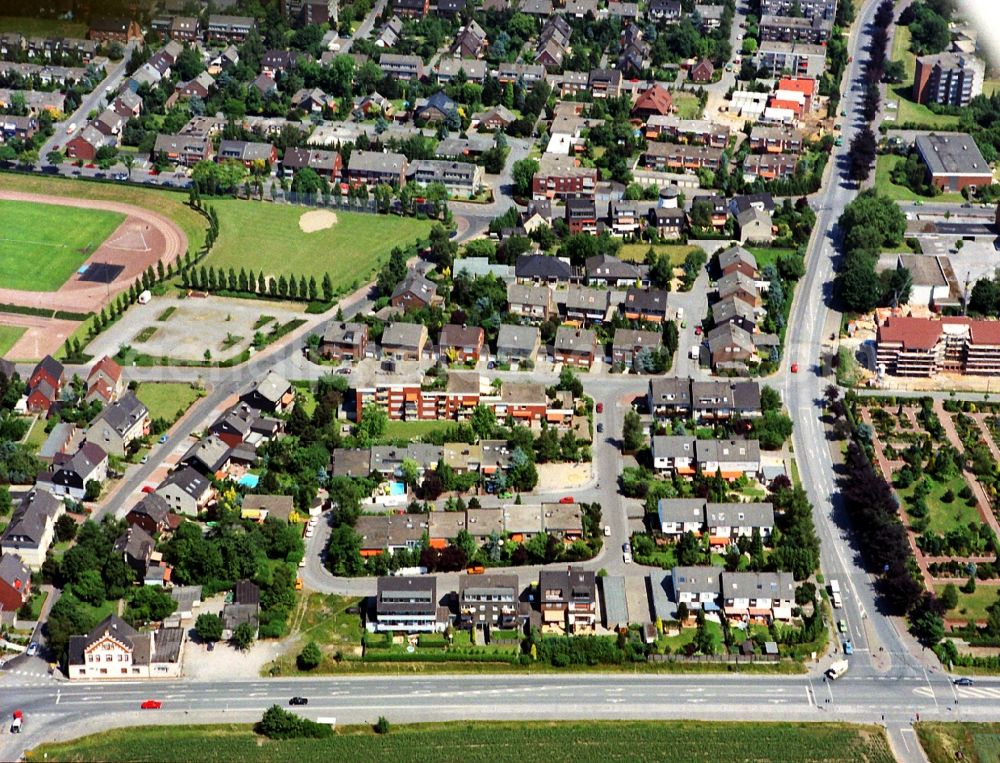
(56,711)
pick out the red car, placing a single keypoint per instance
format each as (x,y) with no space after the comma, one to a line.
(151,704)
(697,330)
(567,499)
(795,368)
(600,407)
(148,489)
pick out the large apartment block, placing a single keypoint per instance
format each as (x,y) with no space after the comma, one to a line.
(815,30)
(908,346)
(798,59)
(950,79)
(825,9)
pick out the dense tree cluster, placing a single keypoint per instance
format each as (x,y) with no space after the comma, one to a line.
(869,224)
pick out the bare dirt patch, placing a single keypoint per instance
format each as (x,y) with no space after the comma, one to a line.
(317,220)
(553,477)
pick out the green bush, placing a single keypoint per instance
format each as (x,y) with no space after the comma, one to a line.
(280,724)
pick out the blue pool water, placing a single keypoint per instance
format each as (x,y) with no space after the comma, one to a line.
(397,488)
(249,480)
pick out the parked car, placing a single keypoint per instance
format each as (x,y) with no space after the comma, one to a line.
(600,427)
(298,701)
(567,499)
(148,489)
(600,408)
(795,368)
(151,704)
(848,647)
(607,531)
(144,459)
(163,439)
(344,371)
(697,330)
(842,626)
(32,649)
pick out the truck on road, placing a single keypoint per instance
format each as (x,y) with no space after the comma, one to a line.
(838,602)
(837,669)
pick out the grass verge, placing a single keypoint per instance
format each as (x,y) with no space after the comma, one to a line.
(977,742)
(9,336)
(580,742)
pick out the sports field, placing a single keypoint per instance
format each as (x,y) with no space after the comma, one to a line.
(267,237)
(474,742)
(9,336)
(42,245)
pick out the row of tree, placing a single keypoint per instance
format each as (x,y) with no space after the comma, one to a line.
(864,145)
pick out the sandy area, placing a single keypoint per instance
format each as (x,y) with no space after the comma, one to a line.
(44,335)
(316,220)
(553,477)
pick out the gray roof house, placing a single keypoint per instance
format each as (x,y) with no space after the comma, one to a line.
(517,343)
(119,425)
(186,490)
(32,526)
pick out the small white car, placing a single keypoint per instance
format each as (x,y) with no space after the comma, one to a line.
(607,531)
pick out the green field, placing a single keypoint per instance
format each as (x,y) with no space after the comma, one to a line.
(579,742)
(972,605)
(9,336)
(408,430)
(977,742)
(45,244)
(767,255)
(884,165)
(170,203)
(166,399)
(265,236)
(36,27)
(687,105)
(676,252)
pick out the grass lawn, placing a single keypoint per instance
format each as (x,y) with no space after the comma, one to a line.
(9,336)
(991,86)
(676,252)
(265,236)
(911,111)
(883,183)
(767,255)
(322,618)
(166,400)
(972,605)
(101,611)
(410,430)
(687,105)
(943,517)
(977,742)
(36,27)
(36,435)
(481,742)
(45,244)
(170,203)
(901,51)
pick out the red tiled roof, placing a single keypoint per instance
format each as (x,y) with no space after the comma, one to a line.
(985,332)
(656,99)
(912,333)
(798,85)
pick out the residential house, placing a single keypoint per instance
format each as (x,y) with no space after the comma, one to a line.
(668,11)
(488,601)
(312,100)
(374,168)
(754,225)
(561,178)
(345,341)
(516,344)
(17,128)
(186,150)
(736,258)
(797,58)
(404,341)
(525,402)
(324,163)
(87,142)
(765,139)
(408,604)
(389,34)
(735,283)
(260,507)
(250,153)
(410,9)
(32,527)
(450,8)
(443,527)
(136,547)
(568,599)
(438,108)
(210,456)
(201,86)
(675,454)
(113,649)
(541,269)
(584,304)
(575,347)
(733,309)
(766,596)
(563,520)
(64,438)
(234,29)
(497,118)
(264,84)
(669,222)
(631,345)
(719,400)
(672,157)
(679,516)
(727,522)
(272,394)
(187,491)
(607,270)
(581,216)
(152,514)
(414,292)
(114,29)
(626,217)
(814,30)
(948,79)
(697,587)
(15,583)
(69,475)
(605,83)
(645,304)
(351,462)
(655,100)
(702,72)
(474,70)
(710,16)
(458,178)
(121,424)
(695,131)
(463,344)
(44,384)
(470,42)
(408,68)
(731,347)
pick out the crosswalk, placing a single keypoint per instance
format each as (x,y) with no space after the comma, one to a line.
(963,692)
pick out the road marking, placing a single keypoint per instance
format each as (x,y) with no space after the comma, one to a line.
(809,697)
(58,696)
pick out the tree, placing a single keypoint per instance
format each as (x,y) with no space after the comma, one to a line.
(208,626)
(632,434)
(949,597)
(522,173)
(66,528)
(89,587)
(409,470)
(92,491)
(310,657)
(862,154)
(381,725)
(373,425)
(704,639)
(243,636)
(149,603)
